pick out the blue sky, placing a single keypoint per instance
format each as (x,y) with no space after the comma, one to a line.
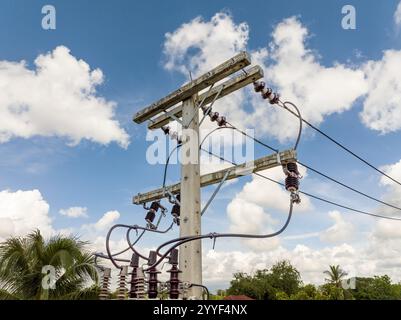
(126,40)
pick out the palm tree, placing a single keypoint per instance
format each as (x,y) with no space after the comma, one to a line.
(336,275)
(60,268)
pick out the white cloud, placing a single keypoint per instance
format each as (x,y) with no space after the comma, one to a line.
(382,106)
(75,212)
(107,220)
(299,77)
(22,212)
(290,66)
(57,98)
(260,191)
(393,190)
(213,41)
(397,15)
(340,231)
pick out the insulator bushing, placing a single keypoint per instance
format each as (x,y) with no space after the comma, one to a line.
(166,130)
(175,210)
(134,264)
(291,183)
(122,282)
(292,180)
(174,275)
(150,216)
(266,92)
(221,121)
(152,282)
(140,284)
(274,98)
(259,86)
(155,206)
(292,167)
(214,116)
(105,287)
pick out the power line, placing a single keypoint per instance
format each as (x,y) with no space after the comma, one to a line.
(309,194)
(310,168)
(341,145)
(348,187)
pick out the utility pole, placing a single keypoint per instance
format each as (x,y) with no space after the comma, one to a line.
(190,253)
(185,103)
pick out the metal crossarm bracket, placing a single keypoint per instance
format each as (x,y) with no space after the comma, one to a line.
(226,88)
(260,164)
(236,63)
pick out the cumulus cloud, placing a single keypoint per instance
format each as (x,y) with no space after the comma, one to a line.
(382,106)
(298,75)
(248,211)
(293,69)
(23,211)
(340,231)
(75,212)
(57,98)
(107,220)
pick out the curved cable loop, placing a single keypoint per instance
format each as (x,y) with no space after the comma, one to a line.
(133,227)
(215,235)
(284,105)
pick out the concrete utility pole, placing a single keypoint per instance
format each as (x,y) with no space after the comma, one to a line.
(184,103)
(191,252)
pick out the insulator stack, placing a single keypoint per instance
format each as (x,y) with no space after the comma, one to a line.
(140,284)
(152,282)
(267,93)
(134,274)
(105,287)
(174,275)
(150,216)
(292,180)
(176,210)
(173,134)
(221,120)
(122,282)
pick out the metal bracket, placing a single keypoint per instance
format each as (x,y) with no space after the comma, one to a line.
(215,192)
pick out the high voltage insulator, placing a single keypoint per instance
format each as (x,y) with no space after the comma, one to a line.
(150,216)
(152,282)
(259,86)
(134,273)
(105,288)
(292,180)
(176,210)
(174,274)
(174,135)
(140,284)
(267,93)
(122,282)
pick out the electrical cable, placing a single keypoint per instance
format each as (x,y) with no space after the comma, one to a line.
(134,227)
(312,195)
(343,147)
(205,289)
(348,187)
(306,166)
(182,240)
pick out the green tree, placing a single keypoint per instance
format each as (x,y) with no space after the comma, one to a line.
(336,275)
(281,281)
(376,288)
(27,264)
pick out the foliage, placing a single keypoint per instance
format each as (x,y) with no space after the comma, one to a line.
(377,288)
(283,282)
(25,263)
(280,281)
